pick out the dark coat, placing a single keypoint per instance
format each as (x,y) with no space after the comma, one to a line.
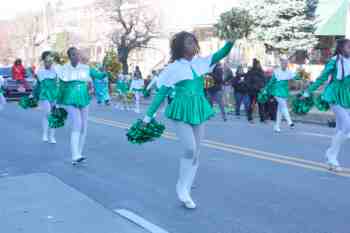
(256,80)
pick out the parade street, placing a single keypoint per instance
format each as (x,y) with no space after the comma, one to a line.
(251,180)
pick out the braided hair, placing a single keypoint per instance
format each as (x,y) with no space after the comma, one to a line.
(177,45)
(339,52)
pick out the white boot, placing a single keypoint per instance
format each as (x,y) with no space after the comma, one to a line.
(276,127)
(82,142)
(52,139)
(75,138)
(286,115)
(192,176)
(334,149)
(183,183)
(45,137)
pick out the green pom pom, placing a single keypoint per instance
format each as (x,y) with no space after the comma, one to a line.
(28,102)
(146,93)
(57,117)
(263,97)
(301,106)
(321,104)
(140,132)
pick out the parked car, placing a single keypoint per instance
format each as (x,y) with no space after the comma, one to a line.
(13,90)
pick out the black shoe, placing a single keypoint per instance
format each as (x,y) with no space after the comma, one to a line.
(292,126)
(78,161)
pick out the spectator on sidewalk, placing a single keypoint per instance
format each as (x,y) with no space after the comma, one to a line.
(215,93)
(256,81)
(240,87)
(19,74)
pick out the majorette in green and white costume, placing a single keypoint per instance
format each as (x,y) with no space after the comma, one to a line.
(48,93)
(75,97)
(100,79)
(278,87)
(189,109)
(337,94)
(137,85)
(122,89)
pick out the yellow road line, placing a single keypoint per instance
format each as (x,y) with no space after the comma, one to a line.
(282,159)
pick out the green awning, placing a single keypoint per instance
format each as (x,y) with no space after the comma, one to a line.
(334,17)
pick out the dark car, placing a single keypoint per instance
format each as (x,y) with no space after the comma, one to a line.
(12,88)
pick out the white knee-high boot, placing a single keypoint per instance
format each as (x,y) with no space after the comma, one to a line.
(277,126)
(82,141)
(75,137)
(45,125)
(333,151)
(186,172)
(192,176)
(286,115)
(52,138)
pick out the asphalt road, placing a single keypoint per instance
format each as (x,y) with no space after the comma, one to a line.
(250,180)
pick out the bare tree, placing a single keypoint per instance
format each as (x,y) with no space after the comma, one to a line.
(134,25)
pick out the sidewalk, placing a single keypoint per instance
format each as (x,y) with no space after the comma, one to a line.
(42,203)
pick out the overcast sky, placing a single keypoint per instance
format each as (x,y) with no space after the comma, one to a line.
(175,11)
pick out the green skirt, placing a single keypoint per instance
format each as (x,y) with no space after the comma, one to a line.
(190,109)
(48,90)
(74,93)
(338,93)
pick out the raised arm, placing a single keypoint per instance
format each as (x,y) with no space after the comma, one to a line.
(328,70)
(222,53)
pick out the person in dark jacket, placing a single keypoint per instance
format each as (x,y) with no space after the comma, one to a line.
(215,93)
(271,105)
(256,81)
(240,87)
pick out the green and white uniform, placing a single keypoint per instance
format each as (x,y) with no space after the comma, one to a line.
(122,89)
(189,109)
(48,85)
(100,80)
(74,85)
(337,93)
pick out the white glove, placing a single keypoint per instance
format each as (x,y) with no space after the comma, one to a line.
(147,119)
(306,94)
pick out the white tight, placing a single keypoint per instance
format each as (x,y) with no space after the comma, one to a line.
(137,100)
(46,108)
(79,121)
(282,111)
(2,101)
(190,136)
(342,116)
